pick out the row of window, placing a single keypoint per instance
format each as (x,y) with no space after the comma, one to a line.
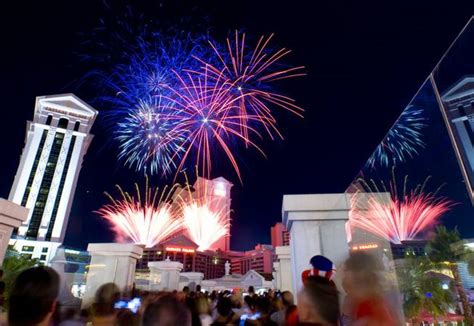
(62,123)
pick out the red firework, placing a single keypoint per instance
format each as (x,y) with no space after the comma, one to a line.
(395,219)
(208,115)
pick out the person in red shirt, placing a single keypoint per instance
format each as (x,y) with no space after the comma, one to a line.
(366,304)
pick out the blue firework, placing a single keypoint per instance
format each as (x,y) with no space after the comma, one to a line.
(148,138)
(404,140)
(139,97)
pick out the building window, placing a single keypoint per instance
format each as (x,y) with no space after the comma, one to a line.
(27,248)
(45,249)
(34,168)
(76,126)
(43,257)
(60,189)
(63,122)
(49,119)
(48,175)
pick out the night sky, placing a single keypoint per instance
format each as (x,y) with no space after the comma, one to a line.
(365,61)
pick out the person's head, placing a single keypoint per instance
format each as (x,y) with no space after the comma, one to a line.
(186,289)
(202,306)
(287,299)
(262,305)
(318,302)
(251,290)
(198,288)
(224,306)
(166,311)
(105,298)
(33,297)
(361,275)
(248,301)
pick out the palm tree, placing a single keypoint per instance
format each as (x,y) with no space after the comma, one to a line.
(448,249)
(422,292)
(13,264)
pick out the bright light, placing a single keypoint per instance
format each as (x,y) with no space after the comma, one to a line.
(145,219)
(204,226)
(219,189)
(445,287)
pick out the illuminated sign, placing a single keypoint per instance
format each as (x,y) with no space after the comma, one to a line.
(365,246)
(179,249)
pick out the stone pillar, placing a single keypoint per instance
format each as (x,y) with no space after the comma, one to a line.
(164,275)
(190,279)
(11,216)
(111,262)
(317,227)
(285,278)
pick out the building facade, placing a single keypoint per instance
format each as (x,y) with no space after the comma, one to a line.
(260,260)
(56,141)
(280,235)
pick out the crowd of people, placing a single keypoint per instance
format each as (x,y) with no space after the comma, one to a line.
(33,300)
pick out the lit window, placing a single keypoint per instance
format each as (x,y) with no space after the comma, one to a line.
(27,248)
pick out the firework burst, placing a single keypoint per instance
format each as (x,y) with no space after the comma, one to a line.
(145,219)
(148,138)
(206,216)
(208,115)
(403,141)
(251,73)
(139,97)
(382,212)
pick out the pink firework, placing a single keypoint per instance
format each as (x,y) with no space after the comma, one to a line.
(251,72)
(395,219)
(147,221)
(208,116)
(206,215)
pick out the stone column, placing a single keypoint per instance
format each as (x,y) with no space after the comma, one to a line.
(164,275)
(317,227)
(11,216)
(111,262)
(285,276)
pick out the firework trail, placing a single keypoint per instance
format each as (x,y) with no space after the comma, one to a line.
(145,219)
(404,139)
(251,72)
(384,213)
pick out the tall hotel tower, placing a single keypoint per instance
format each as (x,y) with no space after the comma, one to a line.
(56,141)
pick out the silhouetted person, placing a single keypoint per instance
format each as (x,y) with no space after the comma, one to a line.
(103,310)
(318,302)
(33,297)
(166,311)
(225,314)
(288,314)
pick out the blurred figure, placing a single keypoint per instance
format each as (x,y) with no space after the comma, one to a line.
(262,314)
(225,315)
(287,315)
(204,312)
(318,302)
(365,304)
(103,312)
(166,311)
(33,298)
(125,317)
